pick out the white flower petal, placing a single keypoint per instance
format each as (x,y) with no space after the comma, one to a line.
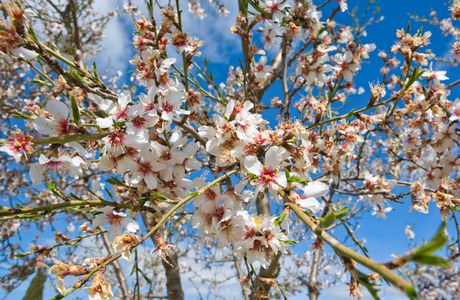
(81,151)
(273,157)
(57,109)
(35,173)
(104,122)
(316,189)
(114,231)
(45,126)
(124,99)
(129,224)
(311,204)
(281,179)
(151,181)
(100,220)
(253,165)
(25,53)
(28,13)
(229,108)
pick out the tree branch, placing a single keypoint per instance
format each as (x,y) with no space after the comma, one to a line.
(384,271)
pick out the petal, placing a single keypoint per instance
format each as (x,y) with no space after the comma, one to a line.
(229,108)
(119,213)
(281,179)
(347,75)
(248,105)
(263,60)
(310,203)
(135,110)
(193,164)
(253,165)
(25,53)
(57,109)
(105,105)
(46,126)
(151,181)
(168,62)
(43,159)
(167,116)
(60,285)
(273,157)
(35,173)
(28,13)
(81,151)
(124,99)
(129,224)
(114,231)
(316,189)
(106,210)
(152,92)
(100,220)
(104,122)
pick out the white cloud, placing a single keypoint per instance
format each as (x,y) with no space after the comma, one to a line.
(214,30)
(221,44)
(116,52)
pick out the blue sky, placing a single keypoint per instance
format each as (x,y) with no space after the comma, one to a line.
(222,48)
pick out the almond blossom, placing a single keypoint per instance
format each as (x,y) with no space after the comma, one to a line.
(125,243)
(170,101)
(260,69)
(269,174)
(99,288)
(116,220)
(64,162)
(455,111)
(18,145)
(259,238)
(276,9)
(58,123)
(346,66)
(269,33)
(312,191)
(116,112)
(62,270)
(380,211)
(10,41)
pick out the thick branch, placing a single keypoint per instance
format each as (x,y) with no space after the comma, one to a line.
(271,272)
(69,138)
(6,211)
(314,226)
(171,266)
(76,34)
(313,286)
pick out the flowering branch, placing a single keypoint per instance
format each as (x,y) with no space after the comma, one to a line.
(145,237)
(384,271)
(187,199)
(69,138)
(6,211)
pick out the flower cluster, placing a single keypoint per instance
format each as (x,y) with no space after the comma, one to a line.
(158,140)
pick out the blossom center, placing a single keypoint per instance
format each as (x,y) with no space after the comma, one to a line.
(267,176)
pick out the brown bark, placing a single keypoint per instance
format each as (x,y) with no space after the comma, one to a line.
(35,290)
(171,266)
(173,284)
(313,288)
(271,272)
(263,203)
